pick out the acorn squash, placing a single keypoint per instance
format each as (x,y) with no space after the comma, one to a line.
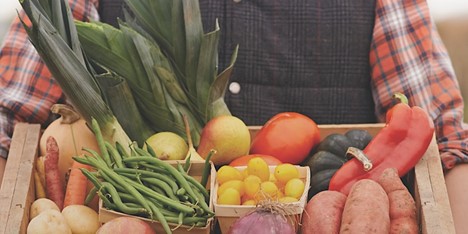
(330,155)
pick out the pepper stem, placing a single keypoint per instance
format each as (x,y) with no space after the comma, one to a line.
(359,155)
(400,97)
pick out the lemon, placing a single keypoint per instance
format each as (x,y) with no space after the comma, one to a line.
(236,184)
(285,172)
(294,188)
(258,167)
(230,197)
(227,173)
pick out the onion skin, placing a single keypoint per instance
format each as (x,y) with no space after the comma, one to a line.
(262,222)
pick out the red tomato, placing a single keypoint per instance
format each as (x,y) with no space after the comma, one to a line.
(243,160)
(288,136)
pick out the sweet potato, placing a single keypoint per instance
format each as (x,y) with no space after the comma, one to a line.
(366,209)
(402,205)
(322,213)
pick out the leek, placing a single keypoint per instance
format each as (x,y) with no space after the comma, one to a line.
(57,43)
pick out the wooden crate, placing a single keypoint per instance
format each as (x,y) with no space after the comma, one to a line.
(17,191)
(434,213)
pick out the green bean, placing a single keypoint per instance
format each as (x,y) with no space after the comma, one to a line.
(100,141)
(114,154)
(84,160)
(189,221)
(181,192)
(180,221)
(193,181)
(207,168)
(121,149)
(165,188)
(187,163)
(161,218)
(151,174)
(107,203)
(92,193)
(153,167)
(202,198)
(119,181)
(110,180)
(141,151)
(160,184)
(91,177)
(163,209)
(118,202)
(174,172)
(163,199)
(150,150)
(160,191)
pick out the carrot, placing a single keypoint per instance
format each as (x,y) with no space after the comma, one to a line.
(403,217)
(76,191)
(366,209)
(54,180)
(322,213)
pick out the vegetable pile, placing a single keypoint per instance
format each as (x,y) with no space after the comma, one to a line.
(141,77)
(141,184)
(382,206)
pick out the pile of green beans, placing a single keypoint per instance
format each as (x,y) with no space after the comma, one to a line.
(135,182)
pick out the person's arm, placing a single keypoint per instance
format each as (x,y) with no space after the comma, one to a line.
(407,55)
(27,88)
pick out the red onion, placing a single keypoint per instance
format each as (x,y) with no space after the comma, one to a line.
(262,221)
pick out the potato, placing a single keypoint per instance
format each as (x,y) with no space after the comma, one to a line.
(40,205)
(48,221)
(81,219)
(124,225)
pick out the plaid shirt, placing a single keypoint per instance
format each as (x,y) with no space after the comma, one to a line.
(406,56)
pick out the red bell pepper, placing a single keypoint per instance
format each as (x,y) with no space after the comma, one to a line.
(400,144)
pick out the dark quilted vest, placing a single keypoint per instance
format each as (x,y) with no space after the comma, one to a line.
(317,65)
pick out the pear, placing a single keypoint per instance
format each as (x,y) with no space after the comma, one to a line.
(168,146)
(228,136)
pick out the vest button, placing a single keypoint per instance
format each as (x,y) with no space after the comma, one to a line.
(234,87)
(236,1)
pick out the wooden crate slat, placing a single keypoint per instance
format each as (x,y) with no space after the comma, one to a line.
(11,172)
(431,197)
(17,193)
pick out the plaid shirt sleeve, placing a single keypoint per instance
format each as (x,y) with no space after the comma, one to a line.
(407,55)
(27,87)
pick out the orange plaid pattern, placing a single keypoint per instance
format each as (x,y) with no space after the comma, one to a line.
(408,56)
(27,87)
